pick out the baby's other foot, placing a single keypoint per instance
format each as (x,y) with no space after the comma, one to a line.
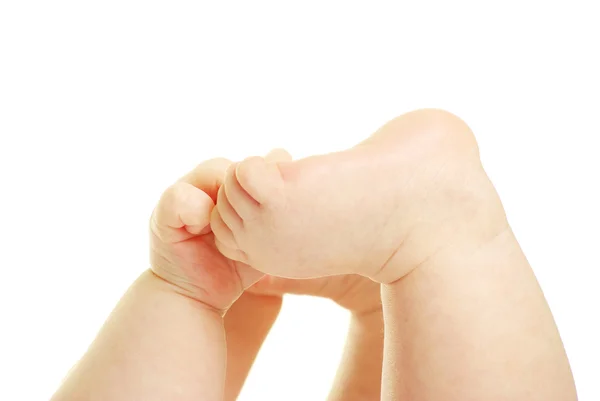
(413,189)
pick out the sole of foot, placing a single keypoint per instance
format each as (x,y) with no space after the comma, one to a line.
(380,209)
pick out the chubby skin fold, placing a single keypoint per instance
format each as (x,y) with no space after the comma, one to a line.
(412,208)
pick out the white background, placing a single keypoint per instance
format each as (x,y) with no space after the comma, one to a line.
(103,104)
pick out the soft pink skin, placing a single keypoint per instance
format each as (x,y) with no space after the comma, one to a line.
(182,246)
(411,208)
(379,209)
(165,340)
(247,324)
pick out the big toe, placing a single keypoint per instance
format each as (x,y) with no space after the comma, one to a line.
(262,180)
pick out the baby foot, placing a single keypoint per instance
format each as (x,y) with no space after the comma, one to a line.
(182,246)
(413,189)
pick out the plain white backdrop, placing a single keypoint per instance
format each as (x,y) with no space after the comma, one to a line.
(104,104)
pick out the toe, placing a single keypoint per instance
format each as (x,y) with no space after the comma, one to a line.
(244,204)
(261,180)
(228,213)
(231,253)
(278,155)
(220,230)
